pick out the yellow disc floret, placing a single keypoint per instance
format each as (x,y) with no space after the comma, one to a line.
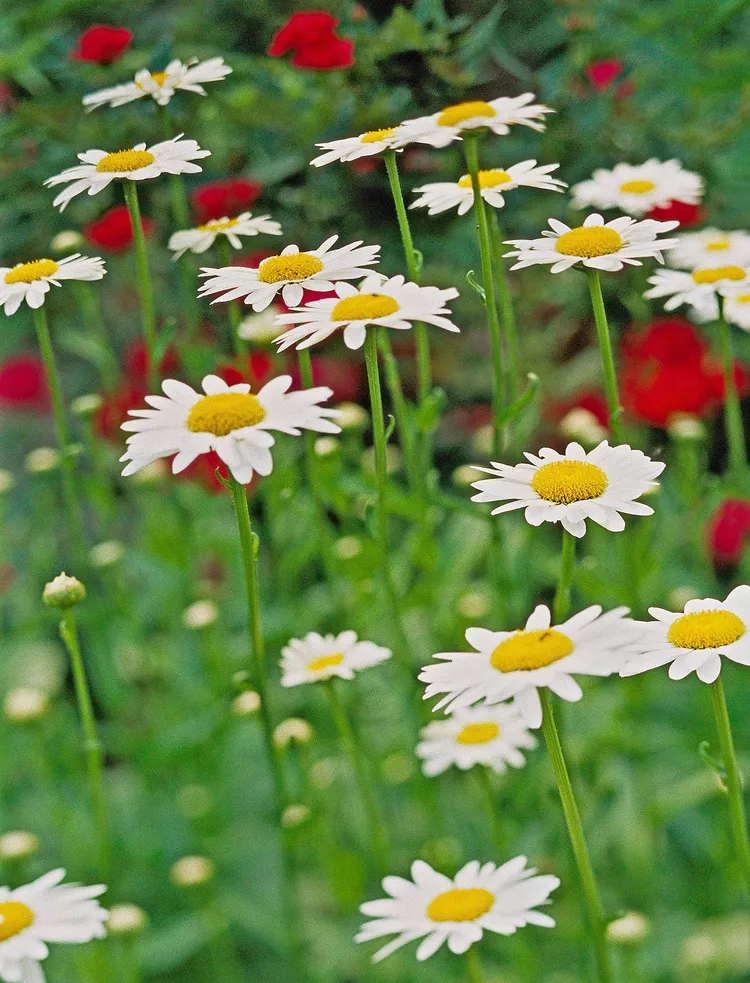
(706,630)
(375,136)
(364,307)
(637,187)
(742,299)
(460,905)
(487,179)
(463,111)
(29,272)
(325,662)
(527,650)
(221,413)
(294,266)
(588,241)
(717,245)
(216,226)
(125,161)
(14,918)
(478,733)
(719,273)
(565,482)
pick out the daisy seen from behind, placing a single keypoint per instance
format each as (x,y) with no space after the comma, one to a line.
(319,657)
(161,86)
(290,274)
(485,735)
(391,303)
(230,420)
(698,289)
(370,144)
(202,237)
(636,189)
(45,911)
(711,248)
(458,910)
(445,195)
(31,281)
(497,115)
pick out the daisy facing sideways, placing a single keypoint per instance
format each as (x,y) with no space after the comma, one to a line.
(388,303)
(497,115)
(369,144)
(201,238)
(161,86)
(516,664)
(698,289)
(710,248)
(444,195)
(290,274)
(572,487)
(484,735)
(31,281)
(636,189)
(457,910)
(98,169)
(317,657)
(229,420)
(737,306)
(695,640)
(597,244)
(41,912)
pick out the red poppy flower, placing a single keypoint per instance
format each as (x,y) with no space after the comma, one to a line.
(257,369)
(728,532)
(601,74)
(224,199)
(136,364)
(310,34)
(114,409)
(102,44)
(113,232)
(679,211)
(326,55)
(342,374)
(23,384)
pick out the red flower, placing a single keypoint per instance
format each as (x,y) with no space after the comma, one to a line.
(114,410)
(679,211)
(102,44)
(334,53)
(728,532)
(136,365)
(224,199)
(587,399)
(311,36)
(113,232)
(343,375)
(23,384)
(601,74)
(257,370)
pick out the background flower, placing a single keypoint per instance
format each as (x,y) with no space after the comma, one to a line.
(102,44)
(113,231)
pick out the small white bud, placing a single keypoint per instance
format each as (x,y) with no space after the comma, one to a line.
(17,845)
(325,446)
(473,604)
(682,426)
(347,547)
(295,815)
(67,241)
(292,729)
(63,592)
(41,460)
(106,554)
(246,703)
(6,481)
(464,475)
(353,416)
(581,424)
(632,927)
(192,871)
(126,919)
(201,614)
(261,328)
(86,405)
(25,705)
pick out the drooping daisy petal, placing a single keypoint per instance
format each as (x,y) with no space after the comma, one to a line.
(497,115)
(636,189)
(494,183)
(368,144)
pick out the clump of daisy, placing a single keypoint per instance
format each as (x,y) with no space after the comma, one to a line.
(391,303)
(486,735)
(699,289)
(315,657)
(710,248)
(202,237)
(31,281)
(161,86)
(497,116)
(494,183)
(636,189)
(457,911)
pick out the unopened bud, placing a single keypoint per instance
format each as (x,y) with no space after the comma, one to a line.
(126,919)
(632,927)
(192,871)
(292,729)
(295,815)
(201,614)
(86,405)
(17,845)
(246,703)
(63,592)
(352,416)
(24,705)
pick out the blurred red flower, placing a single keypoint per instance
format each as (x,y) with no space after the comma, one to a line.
(728,532)
(136,366)
(23,384)
(342,374)
(113,232)
(102,44)
(225,198)
(601,74)
(311,35)
(679,211)
(256,369)
(592,400)
(114,409)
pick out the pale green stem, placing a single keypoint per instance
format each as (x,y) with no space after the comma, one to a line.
(732,409)
(485,781)
(92,315)
(234,312)
(401,412)
(733,779)
(145,289)
(510,328)
(474,972)
(607,356)
(561,604)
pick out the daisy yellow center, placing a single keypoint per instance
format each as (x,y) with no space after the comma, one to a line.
(637,187)
(460,904)
(364,307)
(478,733)
(375,136)
(14,918)
(29,272)
(125,160)
(717,246)
(295,266)
(742,299)
(719,273)
(159,77)
(219,226)
(487,179)
(591,241)
(706,630)
(453,115)
(325,662)
(221,413)
(565,482)
(527,650)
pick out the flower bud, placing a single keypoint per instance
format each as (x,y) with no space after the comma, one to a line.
(352,416)
(347,547)
(86,405)
(246,703)
(25,705)
(295,815)
(632,927)
(292,729)
(41,460)
(126,919)
(201,614)
(18,845)
(63,592)
(106,554)
(324,446)
(6,481)
(192,871)
(66,241)
(682,426)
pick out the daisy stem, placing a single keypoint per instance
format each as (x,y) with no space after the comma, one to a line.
(561,604)
(145,289)
(471,153)
(473,966)
(106,361)
(400,411)
(510,331)
(485,781)
(359,768)
(577,838)
(732,409)
(733,780)
(233,308)
(70,498)
(605,348)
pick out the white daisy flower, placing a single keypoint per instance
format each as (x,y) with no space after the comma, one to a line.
(290,273)
(41,912)
(636,189)
(229,420)
(161,86)
(98,168)
(459,194)
(498,115)
(596,244)
(368,144)
(456,910)
(697,289)
(574,486)
(485,735)
(201,238)
(515,664)
(695,640)
(316,657)
(389,303)
(31,281)
(710,248)
(737,306)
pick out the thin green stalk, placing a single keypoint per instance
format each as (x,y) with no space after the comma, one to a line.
(485,782)
(474,972)
(92,316)
(608,359)
(91,744)
(732,409)
(234,312)
(733,779)
(145,289)
(499,394)
(561,604)
(577,839)
(401,413)
(70,498)
(510,329)
(378,836)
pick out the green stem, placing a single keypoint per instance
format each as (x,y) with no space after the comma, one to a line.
(400,411)
(732,409)
(485,781)
(608,359)
(733,779)
(510,329)
(561,604)
(351,746)
(577,838)
(499,395)
(145,289)
(234,312)
(473,966)
(70,498)
(106,361)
